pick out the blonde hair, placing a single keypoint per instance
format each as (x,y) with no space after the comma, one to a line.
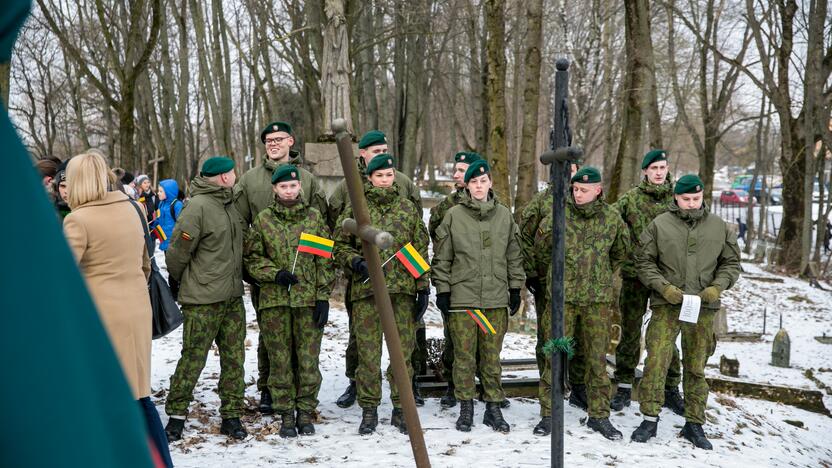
(87,179)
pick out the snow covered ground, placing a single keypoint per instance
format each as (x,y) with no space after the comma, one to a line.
(745,432)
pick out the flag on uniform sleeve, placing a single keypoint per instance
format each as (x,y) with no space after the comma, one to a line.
(316,245)
(410,258)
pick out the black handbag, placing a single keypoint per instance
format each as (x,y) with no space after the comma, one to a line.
(166,314)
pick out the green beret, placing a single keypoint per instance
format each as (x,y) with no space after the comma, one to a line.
(476,169)
(372,138)
(285,173)
(466,157)
(653,156)
(275,127)
(587,175)
(381,161)
(690,183)
(216,166)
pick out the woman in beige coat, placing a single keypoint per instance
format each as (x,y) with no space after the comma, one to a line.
(106,235)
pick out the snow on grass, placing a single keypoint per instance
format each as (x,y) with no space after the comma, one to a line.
(745,432)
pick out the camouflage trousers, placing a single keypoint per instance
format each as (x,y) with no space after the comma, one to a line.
(291,336)
(633,306)
(351,354)
(589,326)
(698,344)
(225,323)
(447,350)
(476,352)
(262,356)
(368,338)
(544,326)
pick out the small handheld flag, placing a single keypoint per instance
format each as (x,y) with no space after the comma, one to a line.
(482,321)
(315,245)
(410,258)
(159,233)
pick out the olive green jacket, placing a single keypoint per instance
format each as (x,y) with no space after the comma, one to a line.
(477,255)
(340,199)
(437,213)
(690,250)
(391,212)
(206,253)
(275,235)
(253,192)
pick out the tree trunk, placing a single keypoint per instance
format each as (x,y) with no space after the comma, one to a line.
(496,92)
(527,165)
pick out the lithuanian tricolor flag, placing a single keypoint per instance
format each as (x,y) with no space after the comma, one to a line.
(410,258)
(315,245)
(160,233)
(481,321)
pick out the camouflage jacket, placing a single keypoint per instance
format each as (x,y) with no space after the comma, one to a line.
(206,251)
(638,207)
(597,243)
(477,255)
(690,250)
(340,199)
(538,208)
(437,213)
(391,212)
(275,235)
(253,192)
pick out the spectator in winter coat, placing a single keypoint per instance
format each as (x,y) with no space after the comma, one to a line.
(169,208)
(145,195)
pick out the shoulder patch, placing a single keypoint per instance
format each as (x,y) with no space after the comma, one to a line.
(185,236)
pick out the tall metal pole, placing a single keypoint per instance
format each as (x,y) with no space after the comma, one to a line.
(559,177)
(371,240)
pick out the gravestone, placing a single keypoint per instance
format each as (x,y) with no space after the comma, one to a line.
(781,349)
(729,367)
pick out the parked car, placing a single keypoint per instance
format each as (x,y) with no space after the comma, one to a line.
(775,197)
(733,197)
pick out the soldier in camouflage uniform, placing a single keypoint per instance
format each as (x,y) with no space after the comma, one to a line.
(478,269)
(638,207)
(461,161)
(294,299)
(371,144)
(596,244)
(684,251)
(391,212)
(536,263)
(252,194)
(205,257)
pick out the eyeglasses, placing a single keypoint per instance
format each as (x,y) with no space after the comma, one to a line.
(275,140)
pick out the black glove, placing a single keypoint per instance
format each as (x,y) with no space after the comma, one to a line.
(421,304)
(443,302)
(359,267)
(321,313)
(174,287)
(533,284)
(284,278)
(513,300)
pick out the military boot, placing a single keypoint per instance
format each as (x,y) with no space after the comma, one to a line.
(174,429)
(604,427)
(448,400)
(505,403)
(347,398)
(417,396)
(621,399)
(645,431)
(544,427)
(493,418)
(466,416)
(234,428)
(397,420)
(673,401)
(304,423)
(577,397)
(369,421)
(265,405)
(694,433)
(287,424)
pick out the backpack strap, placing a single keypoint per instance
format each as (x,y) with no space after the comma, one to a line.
(150,243)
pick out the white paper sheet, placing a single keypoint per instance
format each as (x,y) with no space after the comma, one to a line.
(690,308)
